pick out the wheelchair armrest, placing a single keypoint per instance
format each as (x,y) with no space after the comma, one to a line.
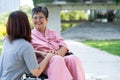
(42,76)
(68,53)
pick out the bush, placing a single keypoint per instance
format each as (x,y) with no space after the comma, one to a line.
(3,21)
(73,15)
(2,30)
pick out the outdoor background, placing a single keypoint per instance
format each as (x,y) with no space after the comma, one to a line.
(91,26)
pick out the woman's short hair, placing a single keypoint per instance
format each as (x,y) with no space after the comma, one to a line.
(41,9)
(18,26)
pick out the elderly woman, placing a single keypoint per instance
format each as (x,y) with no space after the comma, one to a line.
(44,40)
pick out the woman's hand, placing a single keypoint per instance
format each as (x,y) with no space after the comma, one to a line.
(53,52)
(49,55)
(62,51)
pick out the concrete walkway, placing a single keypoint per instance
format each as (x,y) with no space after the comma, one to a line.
(97,64)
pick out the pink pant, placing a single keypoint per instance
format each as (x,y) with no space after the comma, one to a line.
(65,68)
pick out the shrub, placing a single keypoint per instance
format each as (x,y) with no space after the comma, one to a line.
(72,15)
(2,30)
(3,20)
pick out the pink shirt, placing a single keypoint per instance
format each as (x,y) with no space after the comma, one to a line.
(51,40)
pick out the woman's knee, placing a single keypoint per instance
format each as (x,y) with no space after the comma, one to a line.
(70,57)
(57,58)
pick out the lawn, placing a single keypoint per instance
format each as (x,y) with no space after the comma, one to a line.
(111,46)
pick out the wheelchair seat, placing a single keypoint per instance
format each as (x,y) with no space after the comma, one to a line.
(30,76)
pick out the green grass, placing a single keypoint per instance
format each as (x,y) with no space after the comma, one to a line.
(111,46)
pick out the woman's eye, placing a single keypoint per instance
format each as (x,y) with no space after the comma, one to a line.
(34,17)
(38,18)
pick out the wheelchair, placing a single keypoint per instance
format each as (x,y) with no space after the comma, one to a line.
(31,77)
(42,76)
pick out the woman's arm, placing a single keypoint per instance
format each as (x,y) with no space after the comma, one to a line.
(43,54)
(42,65)
(30,59)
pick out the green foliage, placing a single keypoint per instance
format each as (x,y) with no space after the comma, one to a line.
(66,26)
(2,30)
(37,2)
(72,0)
(117,1)
(73,15)
(3,21)
(111,46)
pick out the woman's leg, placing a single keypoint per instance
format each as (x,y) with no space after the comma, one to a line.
(75,67)
(57,69)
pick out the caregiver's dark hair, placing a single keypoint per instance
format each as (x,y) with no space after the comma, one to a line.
(41,9)
(18,26)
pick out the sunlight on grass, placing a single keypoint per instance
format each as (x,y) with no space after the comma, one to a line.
(111,46)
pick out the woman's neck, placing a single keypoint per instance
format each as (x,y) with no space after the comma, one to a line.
(42,32)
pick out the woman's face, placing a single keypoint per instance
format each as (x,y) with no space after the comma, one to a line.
(39,21)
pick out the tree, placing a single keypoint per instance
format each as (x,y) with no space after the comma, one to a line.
(117,1)
(36,2)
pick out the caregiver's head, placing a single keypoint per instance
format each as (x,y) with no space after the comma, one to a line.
(18,26)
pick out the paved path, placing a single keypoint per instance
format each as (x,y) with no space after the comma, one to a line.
(98,65)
